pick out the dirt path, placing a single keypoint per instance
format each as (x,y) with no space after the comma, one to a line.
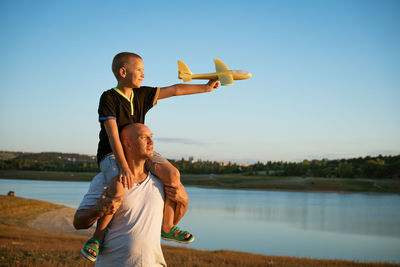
(58,221)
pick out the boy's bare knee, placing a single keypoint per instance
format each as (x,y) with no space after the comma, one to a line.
(169,174)
(114,188)
(173,177)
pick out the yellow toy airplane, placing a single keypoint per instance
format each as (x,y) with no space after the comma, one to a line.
(223,73)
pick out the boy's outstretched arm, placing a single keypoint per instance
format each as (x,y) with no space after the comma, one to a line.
(187,89)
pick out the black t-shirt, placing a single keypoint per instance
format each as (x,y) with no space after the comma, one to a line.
(114,105)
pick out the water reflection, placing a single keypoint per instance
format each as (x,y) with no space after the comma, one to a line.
(66,193)
(363,227)
(367,214)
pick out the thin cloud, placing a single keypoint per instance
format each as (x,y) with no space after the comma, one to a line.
(184,141)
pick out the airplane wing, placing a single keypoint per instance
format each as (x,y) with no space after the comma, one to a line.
(226,79)
(220,66)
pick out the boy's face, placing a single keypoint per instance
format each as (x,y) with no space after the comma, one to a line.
(134,73)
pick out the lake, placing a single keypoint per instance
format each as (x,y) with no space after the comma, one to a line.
(363,227)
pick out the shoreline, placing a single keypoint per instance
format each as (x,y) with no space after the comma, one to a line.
(27,239)
(240,182)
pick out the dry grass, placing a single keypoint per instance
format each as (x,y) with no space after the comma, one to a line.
(21,246)
(17,211)
(26,247)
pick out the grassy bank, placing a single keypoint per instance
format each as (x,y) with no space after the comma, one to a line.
(311,184)
(239,181)
(21,246)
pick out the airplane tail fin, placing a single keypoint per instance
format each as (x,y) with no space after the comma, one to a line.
(219,65)
(184,72)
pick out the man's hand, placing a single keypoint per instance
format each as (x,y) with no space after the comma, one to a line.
(109,205)
(176,194)
(85,218)
(126,177)
(212,84)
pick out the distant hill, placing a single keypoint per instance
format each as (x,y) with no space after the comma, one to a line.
(7,155)
(48,161)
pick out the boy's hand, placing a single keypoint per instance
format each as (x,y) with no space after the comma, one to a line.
(126,177)
(212,84)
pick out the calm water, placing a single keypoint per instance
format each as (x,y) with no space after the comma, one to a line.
(363,227)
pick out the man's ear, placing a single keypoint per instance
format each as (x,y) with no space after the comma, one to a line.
(125,144)
(122,72)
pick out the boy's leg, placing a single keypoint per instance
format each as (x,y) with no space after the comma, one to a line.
(110,171)
(170,177)
(168,215)
(114,190)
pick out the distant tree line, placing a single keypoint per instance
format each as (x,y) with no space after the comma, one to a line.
(368,167)
(362,167)
(207,167)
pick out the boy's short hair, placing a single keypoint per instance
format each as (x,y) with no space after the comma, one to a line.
(120,60)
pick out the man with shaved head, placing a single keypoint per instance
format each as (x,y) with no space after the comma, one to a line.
(133,236)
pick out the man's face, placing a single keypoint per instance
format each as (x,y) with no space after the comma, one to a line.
(144,143)
(134,72)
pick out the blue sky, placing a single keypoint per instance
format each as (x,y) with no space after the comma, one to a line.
(325,82)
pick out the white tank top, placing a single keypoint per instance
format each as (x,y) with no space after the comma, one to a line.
(133,236)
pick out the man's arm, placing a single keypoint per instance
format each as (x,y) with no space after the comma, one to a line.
(187,89)
(85,218)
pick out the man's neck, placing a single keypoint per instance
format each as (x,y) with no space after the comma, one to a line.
(138,170)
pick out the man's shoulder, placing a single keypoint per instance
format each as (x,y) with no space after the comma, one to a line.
(157,181)
(151,175)
(96,189)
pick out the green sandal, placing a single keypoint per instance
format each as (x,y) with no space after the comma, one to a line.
(88,245)
(180,238)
